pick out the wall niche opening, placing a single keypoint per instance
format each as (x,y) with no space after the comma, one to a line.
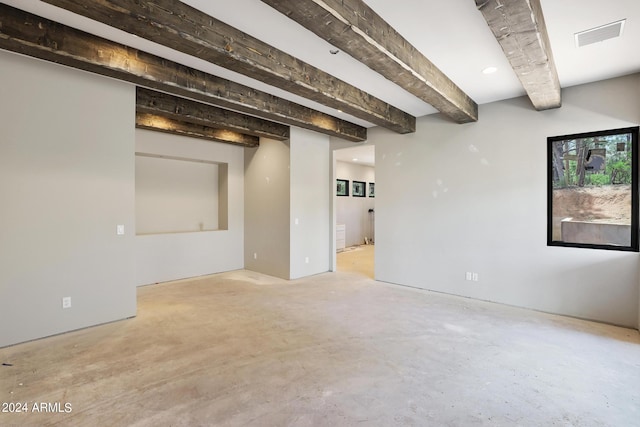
(180,195)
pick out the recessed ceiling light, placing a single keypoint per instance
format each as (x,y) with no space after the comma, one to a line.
(354,159)
(489,70)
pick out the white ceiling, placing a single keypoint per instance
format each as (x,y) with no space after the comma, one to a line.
(452,34)
(358,154)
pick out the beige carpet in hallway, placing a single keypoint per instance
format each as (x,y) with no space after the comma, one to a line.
(337,349)
(357,259)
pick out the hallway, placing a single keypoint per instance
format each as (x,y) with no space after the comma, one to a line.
(357,259)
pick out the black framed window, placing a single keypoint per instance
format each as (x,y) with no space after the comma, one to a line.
(342,187)
(592,194)
(358,188)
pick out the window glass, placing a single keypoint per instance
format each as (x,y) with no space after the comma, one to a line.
(593,190)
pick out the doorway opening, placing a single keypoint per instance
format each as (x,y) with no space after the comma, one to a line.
(354,203)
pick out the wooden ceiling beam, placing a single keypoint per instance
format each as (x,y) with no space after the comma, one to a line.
(519,27)
(356,29)
(41,38)
(186,29)
(186,110)
(179,127)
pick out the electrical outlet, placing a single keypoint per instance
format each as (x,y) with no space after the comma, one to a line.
(468,275)
(475,277)
(66,302)
(255,255)
(120,229)
(306,260)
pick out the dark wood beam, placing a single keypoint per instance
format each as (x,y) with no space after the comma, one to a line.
(41,38)
(186,110)
(519,27)
(177,127)
(181,27)
(356,29)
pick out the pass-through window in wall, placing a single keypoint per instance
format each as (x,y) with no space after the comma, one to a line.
(593,190)
(176,195)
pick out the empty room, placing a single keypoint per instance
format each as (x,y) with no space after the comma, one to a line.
(319,213)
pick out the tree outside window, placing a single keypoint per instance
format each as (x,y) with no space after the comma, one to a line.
(592,190)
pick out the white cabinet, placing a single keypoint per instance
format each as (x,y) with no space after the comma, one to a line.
(341,237)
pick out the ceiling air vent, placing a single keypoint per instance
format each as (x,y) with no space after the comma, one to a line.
(598,34)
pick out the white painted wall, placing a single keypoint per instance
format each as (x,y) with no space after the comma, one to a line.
(454,198)
(310,203)
(165,257)
(354,211)
(288,206)
(267,208)
(175,195)
(66,181)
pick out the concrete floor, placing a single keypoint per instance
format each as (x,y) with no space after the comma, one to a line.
(337,349)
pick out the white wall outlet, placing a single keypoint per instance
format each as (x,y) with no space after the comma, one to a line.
(475,277)
(306,260)
(66,302)
(467,275)
(120,229)
(255,255)
(296,221)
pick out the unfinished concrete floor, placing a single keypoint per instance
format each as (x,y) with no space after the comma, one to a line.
(337,349)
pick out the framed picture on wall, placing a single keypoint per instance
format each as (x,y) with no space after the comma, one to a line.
(372,189)
(342,187)
(359,188)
